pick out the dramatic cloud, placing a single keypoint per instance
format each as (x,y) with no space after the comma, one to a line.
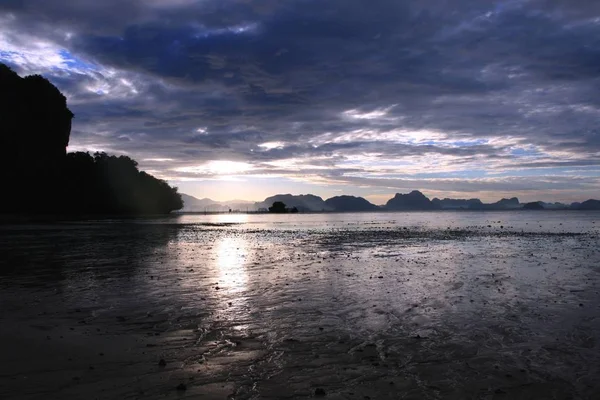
(466,96)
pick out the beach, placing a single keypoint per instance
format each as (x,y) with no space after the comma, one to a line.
(438,305)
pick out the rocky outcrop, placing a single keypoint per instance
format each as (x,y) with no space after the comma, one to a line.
(513,202)
(35,125)
(456,204)
(504,204)
(350,204)
(34,116)
(589,205)
(40,177)
(415,200)
(535,205)
(303,202)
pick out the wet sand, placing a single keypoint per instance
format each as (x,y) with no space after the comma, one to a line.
(224,310)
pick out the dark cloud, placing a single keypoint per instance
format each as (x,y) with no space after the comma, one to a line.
(214,79)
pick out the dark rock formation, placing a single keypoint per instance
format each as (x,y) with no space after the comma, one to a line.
(453,204)
(350,203)
(589,205)
(415,200)
(303,202)
(35,125)
(504,204)
(554,206)
(536,205)
(513,202)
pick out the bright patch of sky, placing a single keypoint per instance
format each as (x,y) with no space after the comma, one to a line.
(37,55)
(74,63)
(272,145)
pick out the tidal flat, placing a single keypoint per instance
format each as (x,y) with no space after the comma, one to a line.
(438,305)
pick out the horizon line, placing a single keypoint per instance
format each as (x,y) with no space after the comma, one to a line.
(324,198)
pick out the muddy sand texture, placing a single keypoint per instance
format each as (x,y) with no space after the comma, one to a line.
(171,311)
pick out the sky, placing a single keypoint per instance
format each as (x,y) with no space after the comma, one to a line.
(242,99)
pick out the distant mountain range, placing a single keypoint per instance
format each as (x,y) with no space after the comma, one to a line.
(413,201)
(193,204)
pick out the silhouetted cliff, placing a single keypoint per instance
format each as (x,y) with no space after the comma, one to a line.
(350,203)
(35,125)
(513,202)
(415,200)
(451,204)
(504,204)
(40,177)
(535,205)
(303,202)
(554,206)
(589,205)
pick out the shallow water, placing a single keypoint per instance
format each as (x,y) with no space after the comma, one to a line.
(440,305)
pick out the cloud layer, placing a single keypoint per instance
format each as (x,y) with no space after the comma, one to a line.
(467,96)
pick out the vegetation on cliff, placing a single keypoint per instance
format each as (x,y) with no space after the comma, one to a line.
(38,174)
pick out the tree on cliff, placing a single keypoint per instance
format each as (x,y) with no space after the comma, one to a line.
(35,126)
(278,207)
(117,186)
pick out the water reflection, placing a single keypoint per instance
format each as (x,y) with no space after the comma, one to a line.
(230,218)
(231,253)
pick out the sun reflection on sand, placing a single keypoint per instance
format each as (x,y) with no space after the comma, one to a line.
(231,255)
